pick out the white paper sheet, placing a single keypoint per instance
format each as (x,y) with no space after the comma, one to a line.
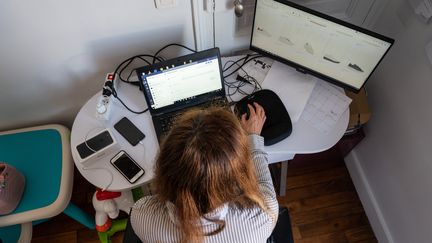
(325,106)
(292,87)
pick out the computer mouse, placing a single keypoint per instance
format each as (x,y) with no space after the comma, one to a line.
(278,124)
(243,109)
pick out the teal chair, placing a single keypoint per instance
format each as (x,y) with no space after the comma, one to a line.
(17,233)
(43,155)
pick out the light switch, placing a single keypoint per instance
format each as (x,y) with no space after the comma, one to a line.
(165,3)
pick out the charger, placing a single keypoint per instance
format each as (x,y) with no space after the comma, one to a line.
(103,106)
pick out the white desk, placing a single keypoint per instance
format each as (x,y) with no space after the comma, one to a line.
(145,154)
(304,139)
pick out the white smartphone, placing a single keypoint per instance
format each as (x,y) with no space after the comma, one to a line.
(127,166)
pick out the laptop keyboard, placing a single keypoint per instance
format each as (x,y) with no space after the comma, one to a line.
(168,121)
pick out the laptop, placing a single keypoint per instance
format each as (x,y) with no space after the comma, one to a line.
(173,86)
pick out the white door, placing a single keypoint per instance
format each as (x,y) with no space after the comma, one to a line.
(232,34)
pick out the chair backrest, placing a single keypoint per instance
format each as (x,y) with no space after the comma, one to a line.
(129,235)
(282,232)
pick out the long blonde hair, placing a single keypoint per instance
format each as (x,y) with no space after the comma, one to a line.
(205,162)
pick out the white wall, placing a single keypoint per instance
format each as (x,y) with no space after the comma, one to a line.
(395,158)
(54,54)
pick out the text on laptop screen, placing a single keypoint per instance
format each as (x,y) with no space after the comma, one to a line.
(174,84)
(341,53)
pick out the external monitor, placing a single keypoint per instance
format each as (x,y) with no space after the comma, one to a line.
(318,44)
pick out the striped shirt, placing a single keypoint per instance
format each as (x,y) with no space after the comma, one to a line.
(153,221)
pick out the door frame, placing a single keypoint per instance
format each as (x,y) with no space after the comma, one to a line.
(203,12)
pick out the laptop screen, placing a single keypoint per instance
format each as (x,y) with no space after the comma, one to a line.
(181,81)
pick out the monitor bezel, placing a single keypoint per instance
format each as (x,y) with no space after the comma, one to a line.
(308,70)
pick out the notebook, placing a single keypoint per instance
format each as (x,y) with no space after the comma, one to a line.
(170,87)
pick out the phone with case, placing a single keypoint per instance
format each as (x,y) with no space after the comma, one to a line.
(127,166)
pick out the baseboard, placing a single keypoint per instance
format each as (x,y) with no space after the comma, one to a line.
(370,205)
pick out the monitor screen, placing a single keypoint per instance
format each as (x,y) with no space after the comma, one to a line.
(318,44)
(176,83)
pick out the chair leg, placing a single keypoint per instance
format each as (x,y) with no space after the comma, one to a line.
(26,233)
(80,216)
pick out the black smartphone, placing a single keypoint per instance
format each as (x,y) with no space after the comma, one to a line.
(95,143)
(127,166)
(129,131)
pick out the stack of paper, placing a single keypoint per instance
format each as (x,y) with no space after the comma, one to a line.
(325,106)
(292,87)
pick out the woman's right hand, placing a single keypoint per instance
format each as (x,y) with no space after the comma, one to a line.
(256,120)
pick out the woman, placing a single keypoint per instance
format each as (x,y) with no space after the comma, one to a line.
(212,182)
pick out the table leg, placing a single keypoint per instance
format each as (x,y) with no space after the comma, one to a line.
(283,178)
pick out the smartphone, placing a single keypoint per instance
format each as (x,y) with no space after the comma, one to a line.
(129,131)
(95,143)
(127,166)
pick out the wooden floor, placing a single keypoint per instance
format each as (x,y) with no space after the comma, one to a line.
(322,201)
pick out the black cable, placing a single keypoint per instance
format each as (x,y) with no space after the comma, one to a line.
(240,81)
(125,64)
(172,44)
(122,67)
(240,66)
(129,109)
(241,59)
(119,70)
(253,57)
(114,93)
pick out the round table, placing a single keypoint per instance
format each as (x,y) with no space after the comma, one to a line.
(303,139)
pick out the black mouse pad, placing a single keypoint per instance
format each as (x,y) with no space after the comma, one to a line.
(278,123)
